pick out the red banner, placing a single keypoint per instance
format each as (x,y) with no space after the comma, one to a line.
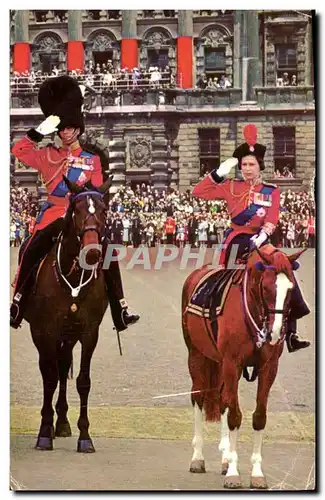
(75,59)
(21,57)
(129,53)
(185,62)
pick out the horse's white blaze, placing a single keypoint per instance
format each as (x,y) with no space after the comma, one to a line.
(91,206)
(197,442)
(256,458)
(224,445)
(283,284)
(233,457)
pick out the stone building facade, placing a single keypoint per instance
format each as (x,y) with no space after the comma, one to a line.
(171,137)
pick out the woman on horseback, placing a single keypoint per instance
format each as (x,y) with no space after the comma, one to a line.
(253,206)
(61,101)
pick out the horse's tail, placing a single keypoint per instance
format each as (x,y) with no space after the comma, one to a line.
(212,394)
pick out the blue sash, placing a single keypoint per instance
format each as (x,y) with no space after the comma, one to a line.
(73,175)
(246,215)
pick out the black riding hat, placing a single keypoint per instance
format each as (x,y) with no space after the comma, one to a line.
(250,147)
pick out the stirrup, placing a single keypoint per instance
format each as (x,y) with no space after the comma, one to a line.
(295,343)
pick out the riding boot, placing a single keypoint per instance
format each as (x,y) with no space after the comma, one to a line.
(121,318)
(294,342)
(298,309)
(35,250)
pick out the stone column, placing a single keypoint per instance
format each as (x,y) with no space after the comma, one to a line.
(75,56)
(129,42)
(236,52)
(185,49)
(309,54)
(21,58)
(251,62)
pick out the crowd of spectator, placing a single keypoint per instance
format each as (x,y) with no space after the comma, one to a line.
(213,83)
(140,216)
(99,77)
(284,80)
(23,211)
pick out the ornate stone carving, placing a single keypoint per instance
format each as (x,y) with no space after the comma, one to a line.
(48,43)
(213,38)
(140,152)
(102,42)
(25,101)
(285,97)
(157,39)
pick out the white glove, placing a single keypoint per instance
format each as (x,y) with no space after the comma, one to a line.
(258,239)
(49,125)
(226,166)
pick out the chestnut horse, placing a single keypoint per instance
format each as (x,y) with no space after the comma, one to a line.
(251,331)
(67,305)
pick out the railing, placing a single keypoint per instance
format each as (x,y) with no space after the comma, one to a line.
(20,85)
(144,95)
(268,97)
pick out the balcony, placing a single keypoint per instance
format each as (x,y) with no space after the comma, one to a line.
(282,97)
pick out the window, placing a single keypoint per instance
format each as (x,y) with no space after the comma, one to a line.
(215,63)
(40,16)
(94,15)
(158,58)
(48,61)
(286,61)
(284,139)
(209,139)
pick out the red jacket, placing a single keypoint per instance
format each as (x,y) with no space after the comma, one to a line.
(52,163)
(170,225)
(251,207)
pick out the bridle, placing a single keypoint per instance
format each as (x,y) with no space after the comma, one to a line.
(85,227)
(91,213)
(261,334)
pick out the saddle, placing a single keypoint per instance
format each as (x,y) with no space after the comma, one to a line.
(209,296)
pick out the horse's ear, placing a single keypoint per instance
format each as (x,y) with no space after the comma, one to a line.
(107,184)
(73,188)
(295,256)
(259,266)
(104,189)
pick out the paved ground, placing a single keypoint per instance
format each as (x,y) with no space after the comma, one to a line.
(124,404)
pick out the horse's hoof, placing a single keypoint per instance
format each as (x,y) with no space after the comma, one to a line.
(44,443)
(232,482)
(63,429)
(197,466)
(224,468)
(258,483)
(85,446)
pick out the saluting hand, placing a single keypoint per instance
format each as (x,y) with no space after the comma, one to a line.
(49,125)
(226,167)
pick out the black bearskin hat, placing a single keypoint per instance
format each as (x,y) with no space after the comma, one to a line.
(62,96)
(250,147)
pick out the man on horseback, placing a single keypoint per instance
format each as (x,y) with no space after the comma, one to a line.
(253,206)
(61,101)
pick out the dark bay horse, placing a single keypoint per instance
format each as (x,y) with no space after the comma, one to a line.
(67,305)
(251,331)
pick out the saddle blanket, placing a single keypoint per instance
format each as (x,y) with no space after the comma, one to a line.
(210,294)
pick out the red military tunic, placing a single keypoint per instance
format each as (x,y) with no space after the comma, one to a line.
(52,163)
(250,209)
(170,225)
